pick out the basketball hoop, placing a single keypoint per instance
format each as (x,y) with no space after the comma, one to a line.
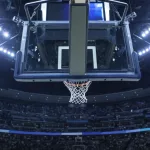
(78,90)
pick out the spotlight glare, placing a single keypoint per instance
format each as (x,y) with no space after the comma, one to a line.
(1,49)
(5,51)
(0,28)
(144,52)
(140,53)
(12,54)
(35,48)
(146,32)
(8,53)
(143,34)
(147,50)
(114,59)
(116,48)
(98,5)
(6,34)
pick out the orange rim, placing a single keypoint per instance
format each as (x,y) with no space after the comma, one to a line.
(78,84)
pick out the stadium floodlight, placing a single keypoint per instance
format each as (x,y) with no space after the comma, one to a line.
(114,59)
(140,53)
(12,54)
(8,52)
(143,34)
(146,32)
(1,49)
(143,51)
(6,34)
(5,51)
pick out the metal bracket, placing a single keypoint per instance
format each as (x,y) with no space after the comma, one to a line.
(77,1)
(131,16)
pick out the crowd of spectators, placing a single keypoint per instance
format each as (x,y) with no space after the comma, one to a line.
(61,118)
(19,115)
(138,141)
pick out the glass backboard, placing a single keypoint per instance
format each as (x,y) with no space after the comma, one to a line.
(46,49)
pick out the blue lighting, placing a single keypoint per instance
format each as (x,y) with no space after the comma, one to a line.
(62,11)
(75,133)
(98,5)
(7,52)
(96,11)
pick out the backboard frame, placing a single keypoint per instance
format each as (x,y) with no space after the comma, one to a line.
(94,56)
(22,75)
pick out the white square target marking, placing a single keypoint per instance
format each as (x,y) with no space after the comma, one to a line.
(61,49)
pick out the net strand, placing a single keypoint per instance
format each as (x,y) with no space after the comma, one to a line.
(78,91)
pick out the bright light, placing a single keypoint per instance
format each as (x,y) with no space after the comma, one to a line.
(140,53)
(116,48)
(35,48)
(6,34)
(8,52)
(114,59)
(146,32)
(1,49)
(98,5)
(5,51)
(143,34)
(12,54)
(0,28)
(143,51)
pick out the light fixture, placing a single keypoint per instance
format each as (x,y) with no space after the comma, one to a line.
(114,59)
(5,51)
(6,34)
(140,53)
(143,34)
(8,53)
(12,54)
(146,32)
(35,48)
(143,51)
(116,48)
(1,49)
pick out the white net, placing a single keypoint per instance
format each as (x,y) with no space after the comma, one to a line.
(78,90)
